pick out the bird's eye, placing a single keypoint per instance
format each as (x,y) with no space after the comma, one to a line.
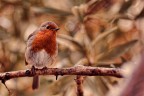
(48,27)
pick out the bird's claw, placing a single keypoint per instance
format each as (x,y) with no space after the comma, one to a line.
(33,70)
(45,68)
(56,77)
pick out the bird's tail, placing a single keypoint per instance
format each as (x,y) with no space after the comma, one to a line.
(35,84)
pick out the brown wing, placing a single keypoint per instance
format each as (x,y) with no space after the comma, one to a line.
(32,34)
(29,40)
(26,63)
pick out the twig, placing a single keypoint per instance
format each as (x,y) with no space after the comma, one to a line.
(79,81)
(3,81)
(78,70)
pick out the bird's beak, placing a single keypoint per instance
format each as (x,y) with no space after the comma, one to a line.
(56,29)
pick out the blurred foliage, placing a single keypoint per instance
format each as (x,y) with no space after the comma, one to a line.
(92,33)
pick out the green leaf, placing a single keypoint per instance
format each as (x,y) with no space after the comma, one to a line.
(116,51)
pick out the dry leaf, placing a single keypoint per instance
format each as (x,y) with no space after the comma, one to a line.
(51,11)
(69,42)
(99,45)
(99,5)
(3,33)
(135,9)
(103,35)
(116,51)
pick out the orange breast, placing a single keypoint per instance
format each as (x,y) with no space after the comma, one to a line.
(45,40)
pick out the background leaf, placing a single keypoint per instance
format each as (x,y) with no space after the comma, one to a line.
(51,11)
(69,42)
(116,51)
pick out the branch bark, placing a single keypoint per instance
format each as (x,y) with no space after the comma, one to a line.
(79,81)
(78,70)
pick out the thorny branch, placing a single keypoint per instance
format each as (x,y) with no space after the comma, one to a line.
(78,70)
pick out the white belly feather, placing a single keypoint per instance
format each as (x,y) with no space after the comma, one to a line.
(39,59)
(42,59)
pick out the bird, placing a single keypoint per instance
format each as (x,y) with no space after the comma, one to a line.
(41,48)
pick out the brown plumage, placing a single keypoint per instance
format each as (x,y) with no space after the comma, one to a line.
(41,48)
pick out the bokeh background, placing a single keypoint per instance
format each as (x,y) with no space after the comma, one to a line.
(104,33)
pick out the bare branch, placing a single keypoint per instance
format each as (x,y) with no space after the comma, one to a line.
(78,70)
(79,81)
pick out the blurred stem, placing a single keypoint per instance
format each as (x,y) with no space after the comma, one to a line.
(3,81)
(79,81)
(15,23)
(85,42)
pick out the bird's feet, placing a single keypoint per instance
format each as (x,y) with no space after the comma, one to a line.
(33,70)
(45,68)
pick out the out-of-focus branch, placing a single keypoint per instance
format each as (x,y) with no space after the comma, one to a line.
(78,70)
(133,84)
(79,81)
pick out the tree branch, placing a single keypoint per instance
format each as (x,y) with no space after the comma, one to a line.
(79,81)
(78,70)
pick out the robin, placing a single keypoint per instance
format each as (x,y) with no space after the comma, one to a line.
(41,48)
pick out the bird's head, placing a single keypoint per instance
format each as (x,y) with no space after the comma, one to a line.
(49,26)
